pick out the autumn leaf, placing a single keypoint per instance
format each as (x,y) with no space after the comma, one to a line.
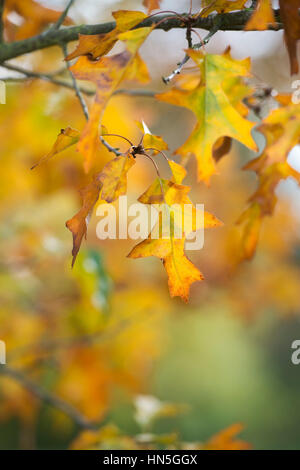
(218,114)
(221,6)
(107,74)
(78,224)
(262,18)
(226,440)
(161,241)
(250,221)
(282,132)
(66,138)
(181,271)
(97,45)
(289,13)
(152,5)
(114,177)
(35,16)
(151,141)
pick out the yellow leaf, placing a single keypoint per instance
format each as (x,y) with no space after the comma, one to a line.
(66,138)
(181,271)
(114,177)
(218,114)
(107,74)
(262,18)
(221,6)
(97,45)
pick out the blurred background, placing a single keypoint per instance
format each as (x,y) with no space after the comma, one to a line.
(105,336)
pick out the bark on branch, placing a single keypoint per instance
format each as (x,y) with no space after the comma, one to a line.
(227,22)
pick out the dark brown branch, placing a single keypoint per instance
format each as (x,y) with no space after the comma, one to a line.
(229,22)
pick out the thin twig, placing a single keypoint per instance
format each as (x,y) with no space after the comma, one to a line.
(75,86)
(50,77)
(42,76)
(186,58)
(61,19)
(1,21)
(48,397)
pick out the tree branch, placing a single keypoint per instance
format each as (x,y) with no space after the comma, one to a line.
(230,22)
(75,85)
(48,397)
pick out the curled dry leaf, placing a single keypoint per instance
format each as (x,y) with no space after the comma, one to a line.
(66,138)
(78,224)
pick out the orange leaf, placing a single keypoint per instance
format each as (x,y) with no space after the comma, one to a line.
(289,13)
(78,224)
(152,5)
(262,18)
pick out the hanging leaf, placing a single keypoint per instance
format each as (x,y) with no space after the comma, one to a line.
(114,177)
(97,45)
(289,13)
(107,74)
(217,115)
(78,224)
(66,138)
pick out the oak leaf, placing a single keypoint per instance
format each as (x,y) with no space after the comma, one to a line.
(218,114)
(107,74)
(181,271)
(166,246)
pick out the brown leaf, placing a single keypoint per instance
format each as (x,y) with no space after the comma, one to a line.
(289,13)
(78,224)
